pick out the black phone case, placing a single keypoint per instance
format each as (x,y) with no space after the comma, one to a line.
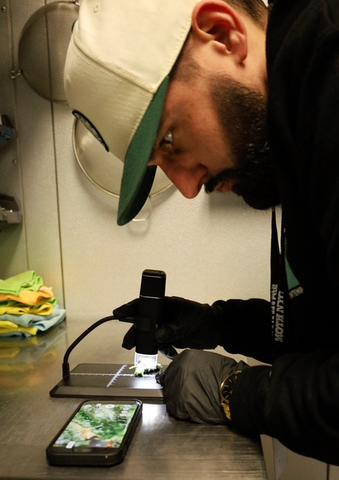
(95,459)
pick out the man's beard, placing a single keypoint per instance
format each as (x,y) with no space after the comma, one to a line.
(242,113)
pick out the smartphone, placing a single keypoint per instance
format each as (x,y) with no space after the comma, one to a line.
(97,434)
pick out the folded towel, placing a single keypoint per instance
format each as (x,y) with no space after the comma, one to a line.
(10,329)
(28,297)
(44,308)
(36,321)
(26,280)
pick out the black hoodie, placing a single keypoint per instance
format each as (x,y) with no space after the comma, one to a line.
(297,399)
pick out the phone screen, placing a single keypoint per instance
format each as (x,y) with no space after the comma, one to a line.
(97,425)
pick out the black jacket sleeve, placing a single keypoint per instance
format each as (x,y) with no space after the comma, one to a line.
(296,402)
(247,328)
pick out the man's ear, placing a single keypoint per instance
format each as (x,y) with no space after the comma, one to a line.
(217,21)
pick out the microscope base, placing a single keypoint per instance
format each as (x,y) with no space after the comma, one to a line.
(90,380)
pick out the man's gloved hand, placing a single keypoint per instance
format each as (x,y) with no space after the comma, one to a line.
(185,324)
(192,385)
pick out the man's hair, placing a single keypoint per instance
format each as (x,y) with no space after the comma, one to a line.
(255,9)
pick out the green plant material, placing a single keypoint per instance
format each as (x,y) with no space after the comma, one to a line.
(140,370)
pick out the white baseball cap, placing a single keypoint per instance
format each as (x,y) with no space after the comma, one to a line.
(116,78)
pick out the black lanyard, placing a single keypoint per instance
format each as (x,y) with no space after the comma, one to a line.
(278,288)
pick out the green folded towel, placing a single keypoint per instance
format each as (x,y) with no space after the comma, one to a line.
(26,280)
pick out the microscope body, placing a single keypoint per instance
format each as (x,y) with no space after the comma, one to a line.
(151,302)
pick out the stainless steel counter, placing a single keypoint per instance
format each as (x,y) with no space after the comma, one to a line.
(161,448)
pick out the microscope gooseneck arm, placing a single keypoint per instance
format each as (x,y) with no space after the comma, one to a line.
(65,363)
(152,293)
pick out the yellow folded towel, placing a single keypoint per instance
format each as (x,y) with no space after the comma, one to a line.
(8,327)
(28,297)
(42,309)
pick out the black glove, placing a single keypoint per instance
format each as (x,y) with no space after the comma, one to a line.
(185,324)
(192,385)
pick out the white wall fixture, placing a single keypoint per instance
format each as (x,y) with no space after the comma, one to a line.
(105,170)
(43,46)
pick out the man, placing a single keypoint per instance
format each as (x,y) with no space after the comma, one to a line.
(190,86)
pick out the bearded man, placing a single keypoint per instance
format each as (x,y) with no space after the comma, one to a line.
(227,96)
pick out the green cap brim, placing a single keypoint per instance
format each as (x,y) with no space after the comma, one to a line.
(137,178)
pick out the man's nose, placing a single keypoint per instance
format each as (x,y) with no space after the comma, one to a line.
(188,181)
